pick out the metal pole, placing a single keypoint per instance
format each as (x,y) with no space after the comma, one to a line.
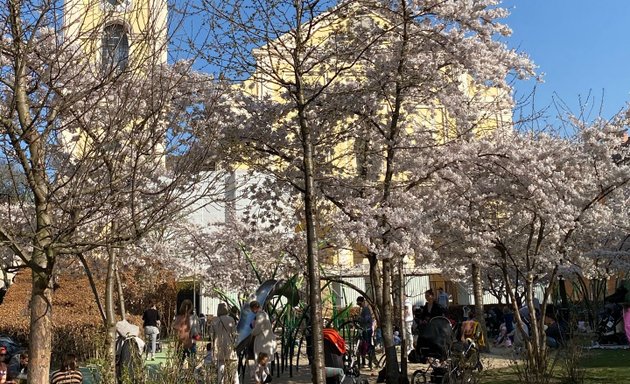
(194,286)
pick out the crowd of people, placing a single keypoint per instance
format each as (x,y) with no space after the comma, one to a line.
(220,335)
(14,370)
(220,359)
(556,327)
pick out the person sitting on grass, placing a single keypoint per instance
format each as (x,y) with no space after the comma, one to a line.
(69,372)
(18,366)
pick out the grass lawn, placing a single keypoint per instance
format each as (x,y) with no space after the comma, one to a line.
(600,366)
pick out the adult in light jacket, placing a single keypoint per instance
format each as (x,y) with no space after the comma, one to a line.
(262,331)
(222,335)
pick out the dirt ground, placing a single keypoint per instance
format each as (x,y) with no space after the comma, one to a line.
(495,359)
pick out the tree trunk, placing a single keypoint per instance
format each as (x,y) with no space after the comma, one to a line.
(33,161)
(478,293)
(121,295)
(40,337)
(403,329)
(110,313)
(90,277)
(315,297)
(375,282)
(387,324)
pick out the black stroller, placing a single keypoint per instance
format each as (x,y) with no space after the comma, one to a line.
(610,327)
(447,362)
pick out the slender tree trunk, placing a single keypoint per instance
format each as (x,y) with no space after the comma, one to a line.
(110,313)
(403,329)
(121,295)
(376,276)
(387,324)
(40,337)
(478,293)
(315,297)
(32,160)
(90,277)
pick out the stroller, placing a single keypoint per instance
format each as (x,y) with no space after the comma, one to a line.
(447,362)
(340,362)
(610,328)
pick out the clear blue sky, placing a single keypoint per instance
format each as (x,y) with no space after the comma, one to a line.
(579,45)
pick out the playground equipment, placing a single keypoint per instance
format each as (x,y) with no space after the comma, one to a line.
(291,323)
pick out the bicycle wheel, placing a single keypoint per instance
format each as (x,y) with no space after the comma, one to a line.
(380,363)
(419,377)
(470,361)
(462,371)
(461,376)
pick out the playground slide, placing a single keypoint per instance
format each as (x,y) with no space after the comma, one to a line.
(265,292)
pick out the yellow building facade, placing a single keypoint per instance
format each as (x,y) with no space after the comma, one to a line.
(118,34)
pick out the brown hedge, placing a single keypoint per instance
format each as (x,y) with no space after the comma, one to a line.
(77,324)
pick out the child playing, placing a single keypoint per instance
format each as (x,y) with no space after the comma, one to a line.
(204,369)
(262,374)
(208,359)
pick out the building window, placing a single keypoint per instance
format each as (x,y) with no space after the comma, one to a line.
(115,48)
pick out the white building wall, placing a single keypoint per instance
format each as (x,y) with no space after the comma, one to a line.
(415,286)
(465,295)
(345,295)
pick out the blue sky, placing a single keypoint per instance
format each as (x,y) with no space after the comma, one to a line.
(581,47)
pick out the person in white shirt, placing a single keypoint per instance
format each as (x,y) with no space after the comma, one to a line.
(408,326)
(223,333)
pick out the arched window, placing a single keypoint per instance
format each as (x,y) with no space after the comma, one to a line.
(115,48)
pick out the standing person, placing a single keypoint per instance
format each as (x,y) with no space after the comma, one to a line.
(151,319)
(202,325)
(431,309)
(366,321)
(262,332)
(181,326)
(222,336)
(408,326)
(69,372)
(442,298)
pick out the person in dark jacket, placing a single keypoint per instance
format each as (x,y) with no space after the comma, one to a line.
(151,319)
(366,320)
(431,308)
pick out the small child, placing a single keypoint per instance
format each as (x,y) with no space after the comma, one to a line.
(203,368)
(262,374)
(397,339)
(208,358)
